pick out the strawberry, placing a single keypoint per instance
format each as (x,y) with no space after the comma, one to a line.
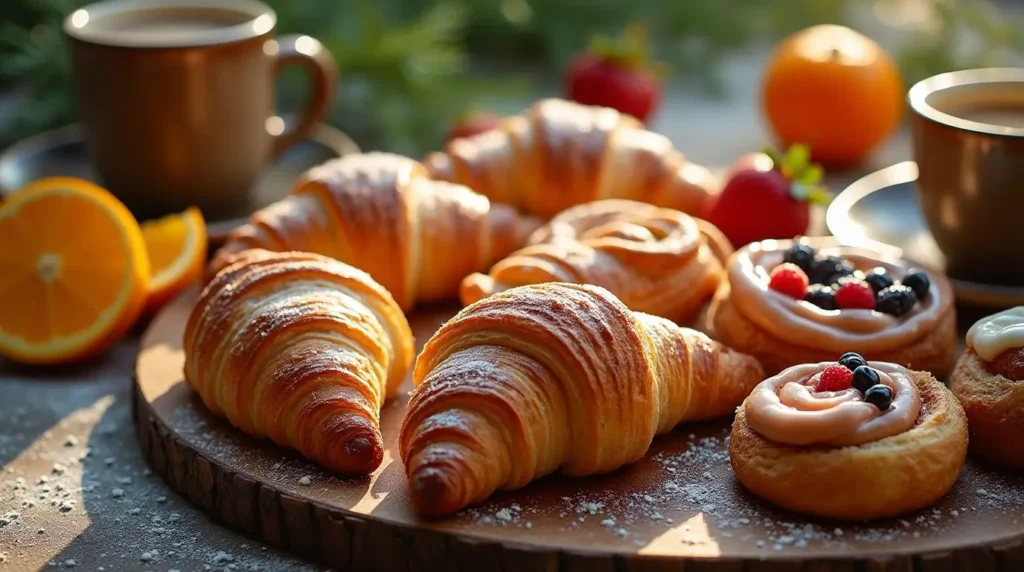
(834,378)
(789,279)
(768,196)
(473,123)
(855,295)
(617,73)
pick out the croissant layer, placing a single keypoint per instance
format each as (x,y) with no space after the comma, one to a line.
(560,153)
(300,349)
(382,213)
(554,377)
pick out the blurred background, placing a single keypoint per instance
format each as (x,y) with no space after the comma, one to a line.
(410,68)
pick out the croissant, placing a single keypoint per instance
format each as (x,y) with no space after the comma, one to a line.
(560,153)
(301,349)
(655,260)
(554,377)
(382,214)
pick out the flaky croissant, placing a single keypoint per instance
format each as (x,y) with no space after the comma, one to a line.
(554,377)
(656,260)
(560,153)
(382,214)
(301,349)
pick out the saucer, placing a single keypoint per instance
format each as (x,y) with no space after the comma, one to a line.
(62,152)
(881,212)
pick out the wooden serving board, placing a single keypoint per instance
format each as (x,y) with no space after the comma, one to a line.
(680,508)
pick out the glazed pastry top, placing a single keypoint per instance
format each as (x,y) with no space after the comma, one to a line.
(833,330)
(997,333)
(787,409)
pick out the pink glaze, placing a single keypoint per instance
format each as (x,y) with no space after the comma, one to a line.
(804,324)
(786,409)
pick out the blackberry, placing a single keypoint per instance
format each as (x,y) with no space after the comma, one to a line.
(878,279)
(801,255)
(896,300)
(918,282)
(821,296)
(828,269)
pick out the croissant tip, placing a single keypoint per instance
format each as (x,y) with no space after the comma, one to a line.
(431,492)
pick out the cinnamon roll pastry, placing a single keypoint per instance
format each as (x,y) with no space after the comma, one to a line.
(559,154)
(554,377)
(381,213)
(789,302)
(655,260)
(989,382)
(300,349)
(853,440)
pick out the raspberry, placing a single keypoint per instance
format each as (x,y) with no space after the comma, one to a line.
(1010,364)
(788,279)
(855,295)
(834,378)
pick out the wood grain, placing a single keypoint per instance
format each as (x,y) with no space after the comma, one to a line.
(367,523)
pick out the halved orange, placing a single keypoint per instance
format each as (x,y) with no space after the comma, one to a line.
(73,271)
(176,245)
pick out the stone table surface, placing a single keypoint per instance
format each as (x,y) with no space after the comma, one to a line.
(75,491)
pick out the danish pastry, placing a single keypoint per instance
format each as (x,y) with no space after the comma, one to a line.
(853,440)
(655,260)
(989,382)
(559,154)
(789,302)
(302,349)
(554,377)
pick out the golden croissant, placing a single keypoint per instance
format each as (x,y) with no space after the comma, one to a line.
(301,349)
(382,214)
(656,260)
(559,154)
(554,377)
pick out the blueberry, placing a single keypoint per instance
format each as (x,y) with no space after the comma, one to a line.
(821,296)
(880,396)
(826,269)
(918,282)
(878,279)
(864,377)
(800,254)
(852,360)
(895,300)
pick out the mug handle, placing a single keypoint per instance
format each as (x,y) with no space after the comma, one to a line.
(309,53)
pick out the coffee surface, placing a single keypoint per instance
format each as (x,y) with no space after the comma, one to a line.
(170,22)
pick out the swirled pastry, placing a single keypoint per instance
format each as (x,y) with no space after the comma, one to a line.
(554,377)
(874,442)
(862,301)
(381,213)
(559,154)
(655,260)
(989,382)
(301,349)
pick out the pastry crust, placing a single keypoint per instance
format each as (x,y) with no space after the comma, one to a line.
(934,352)
(559,153)
(883,478)
(995,410)
(656,260)
(783,332)
(554,377)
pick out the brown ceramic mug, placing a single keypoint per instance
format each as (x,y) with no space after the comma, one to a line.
(968,130)
(177,97)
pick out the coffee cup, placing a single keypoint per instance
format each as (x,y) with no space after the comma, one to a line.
(177,98)
(968,135)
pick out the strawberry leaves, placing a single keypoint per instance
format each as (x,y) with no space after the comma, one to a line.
(804,176)
(630,50)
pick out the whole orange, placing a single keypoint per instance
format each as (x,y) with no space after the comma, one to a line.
(834,90)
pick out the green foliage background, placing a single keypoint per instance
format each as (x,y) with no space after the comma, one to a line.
(410,67)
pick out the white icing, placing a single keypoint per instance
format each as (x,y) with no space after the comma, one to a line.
(997,333)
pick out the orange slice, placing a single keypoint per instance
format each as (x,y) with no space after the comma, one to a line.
(73,271)
(176,245)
